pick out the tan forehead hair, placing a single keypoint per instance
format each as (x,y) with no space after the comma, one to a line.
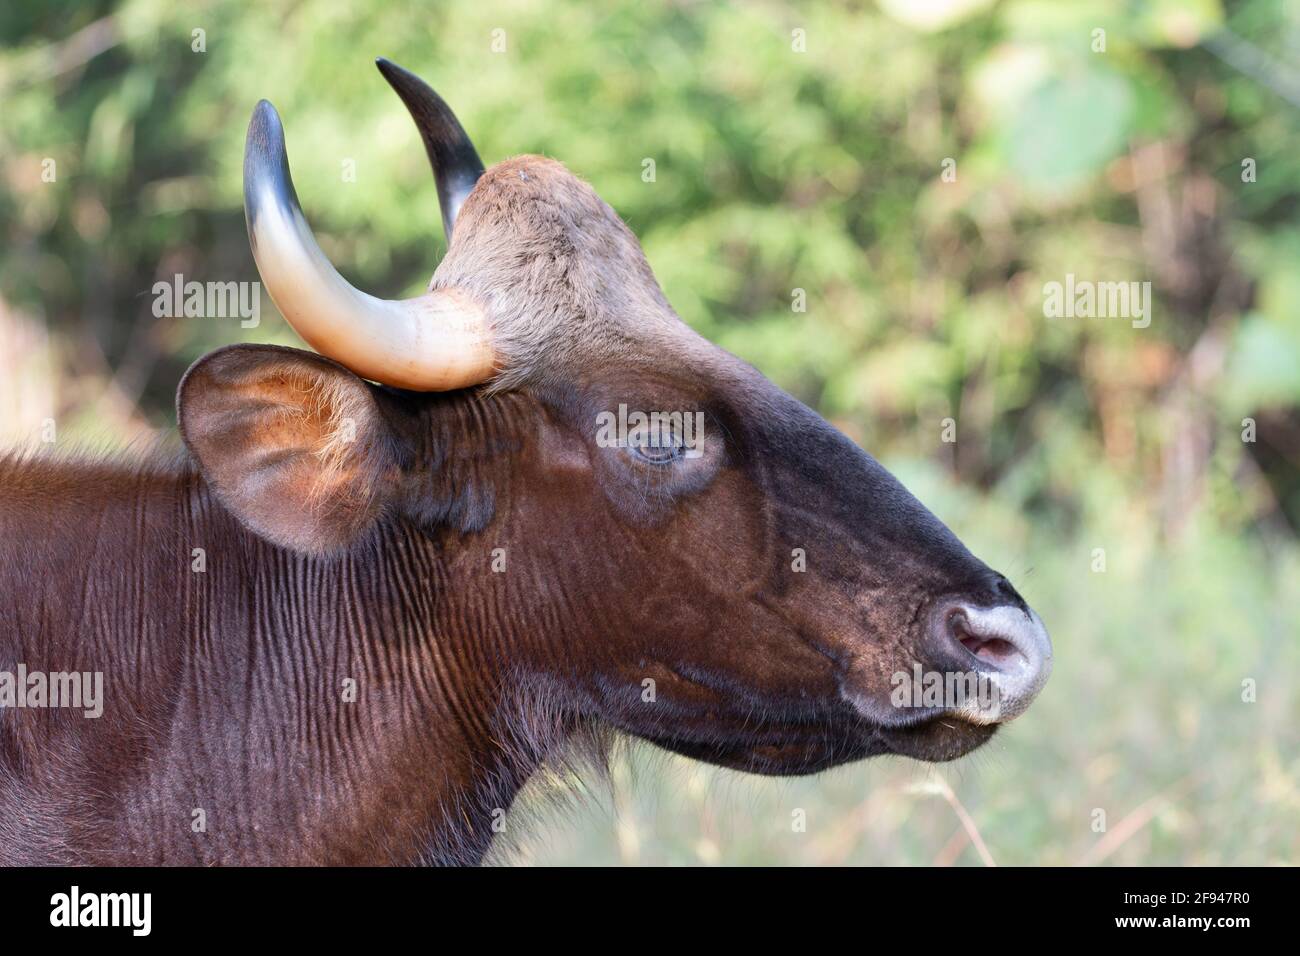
(564,281)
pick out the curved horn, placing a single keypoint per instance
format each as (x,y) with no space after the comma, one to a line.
(456,166)
(434,342)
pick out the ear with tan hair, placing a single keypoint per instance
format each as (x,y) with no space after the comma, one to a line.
(292,443)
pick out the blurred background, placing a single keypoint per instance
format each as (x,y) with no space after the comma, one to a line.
(920,170)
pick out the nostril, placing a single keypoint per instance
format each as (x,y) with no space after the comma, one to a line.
(994,650)
(1007,645)
(990,648)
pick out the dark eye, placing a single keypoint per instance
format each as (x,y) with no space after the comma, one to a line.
(657,456)
(658,446)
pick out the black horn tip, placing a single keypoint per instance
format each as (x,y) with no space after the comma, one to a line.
(265,140)
(409,87)
(429,111)
(456,164)
(266,163)
(265,120)
(404,81)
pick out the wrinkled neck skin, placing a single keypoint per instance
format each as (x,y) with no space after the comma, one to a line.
(382,706)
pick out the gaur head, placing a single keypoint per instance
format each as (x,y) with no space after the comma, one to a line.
(696,557)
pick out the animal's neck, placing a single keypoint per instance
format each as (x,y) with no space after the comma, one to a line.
(261,706)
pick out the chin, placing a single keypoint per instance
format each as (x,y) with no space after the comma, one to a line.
(809,751)
(941,738)
(799,750)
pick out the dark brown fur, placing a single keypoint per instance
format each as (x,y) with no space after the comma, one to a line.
(350,533)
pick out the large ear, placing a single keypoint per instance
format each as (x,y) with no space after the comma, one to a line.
(292,443)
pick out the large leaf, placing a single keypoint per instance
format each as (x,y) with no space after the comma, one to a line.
(1069,127)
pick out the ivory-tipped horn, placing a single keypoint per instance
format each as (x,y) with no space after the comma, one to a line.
(434,342)
(455,162)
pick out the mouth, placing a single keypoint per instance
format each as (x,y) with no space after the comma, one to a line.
(933,734)
(979,667)
(976,668)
